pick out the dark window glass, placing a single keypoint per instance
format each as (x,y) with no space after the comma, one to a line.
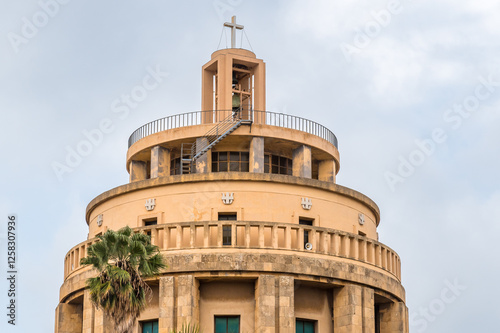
(150,327)
(234,156)
(223,167)
(230,161)
(234,166)
(304,326)
(226,235)
(230,324)
(275,160)
(277,164)
(227,217)
(150,222)
(306,232)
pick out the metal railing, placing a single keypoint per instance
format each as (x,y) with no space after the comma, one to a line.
(258,117)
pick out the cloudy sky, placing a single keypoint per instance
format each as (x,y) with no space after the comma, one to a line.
(410,88)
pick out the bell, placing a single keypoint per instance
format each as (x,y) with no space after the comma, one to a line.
(236,101)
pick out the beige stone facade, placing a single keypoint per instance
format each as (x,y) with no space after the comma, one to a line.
(244,205)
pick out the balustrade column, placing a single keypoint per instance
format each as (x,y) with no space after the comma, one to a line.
(288,237)
(335,244)
(206,235)
(274,237)
(247,235)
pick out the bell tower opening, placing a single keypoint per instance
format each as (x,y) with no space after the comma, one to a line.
(233,83)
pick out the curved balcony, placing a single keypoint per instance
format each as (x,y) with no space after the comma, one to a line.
(207,117)
(247,236)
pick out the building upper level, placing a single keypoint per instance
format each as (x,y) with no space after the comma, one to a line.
(233,158)
(233,102)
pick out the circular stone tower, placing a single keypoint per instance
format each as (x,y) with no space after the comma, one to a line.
(243,204)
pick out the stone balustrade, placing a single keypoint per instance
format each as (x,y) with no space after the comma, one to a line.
(254,236)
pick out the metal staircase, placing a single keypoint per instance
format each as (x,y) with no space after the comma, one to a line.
(190,152)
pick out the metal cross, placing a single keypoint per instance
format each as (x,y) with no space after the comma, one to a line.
(233,27)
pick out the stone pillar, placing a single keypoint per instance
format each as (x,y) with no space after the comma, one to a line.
(347,309)
(201,164)
(257,155)
(265,303)
(393,318)
(302,163)
(166,320)
(138,171)
(102,322)
(368,304)
(326,171)
(88,313)
(98,321)
(187,293)
(160,162)
(286,304)
(69,318)
(260,92)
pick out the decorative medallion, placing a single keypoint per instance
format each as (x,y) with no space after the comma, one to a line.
(150,204)
(227,198)
(361,218)
(306,203)
(99,220)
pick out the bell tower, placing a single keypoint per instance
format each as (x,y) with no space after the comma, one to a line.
(233,80)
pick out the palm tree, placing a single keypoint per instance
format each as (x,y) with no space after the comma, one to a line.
(122,258)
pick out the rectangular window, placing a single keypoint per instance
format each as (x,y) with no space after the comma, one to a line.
(235,161)
(305,221)
(277,164)
(226,235)
(226,229)
(153,221)
(150,326)
(227,324)
(304,326)
(147,222)
(175,166)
